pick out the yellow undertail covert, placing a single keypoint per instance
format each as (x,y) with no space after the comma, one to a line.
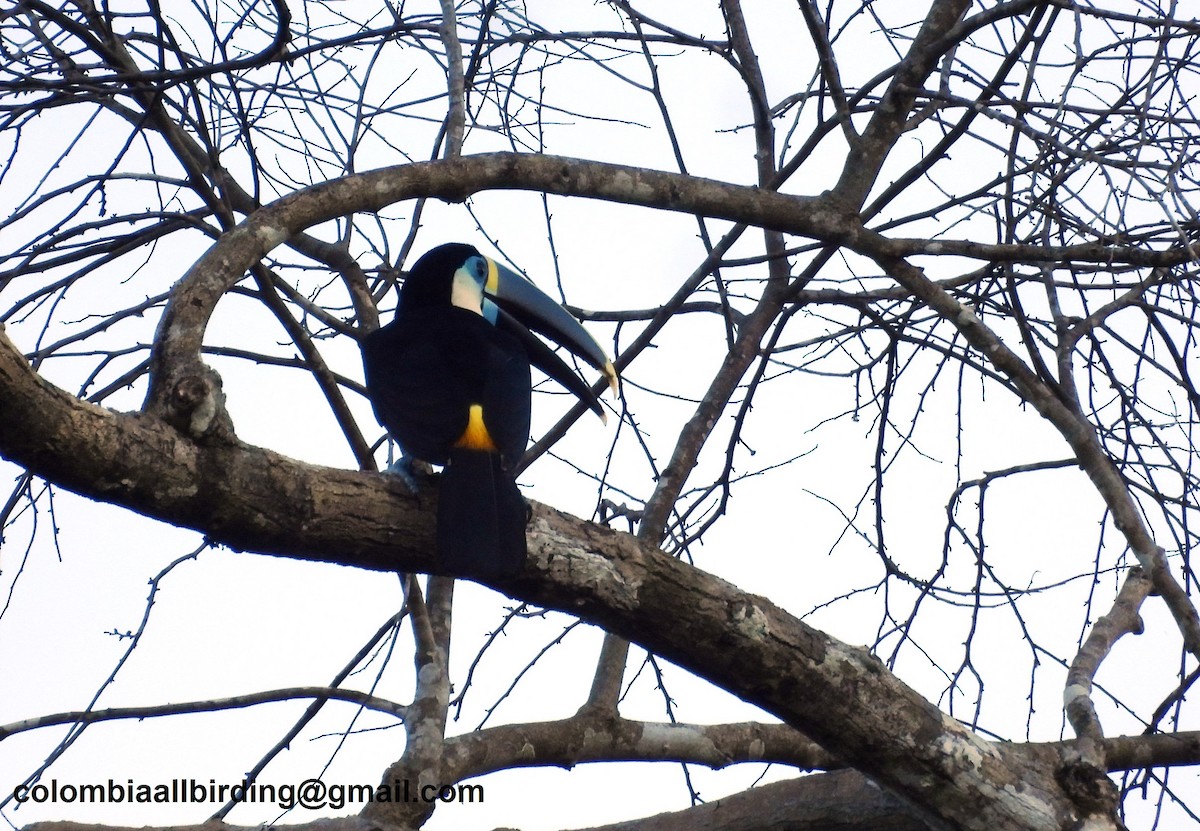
(476,436)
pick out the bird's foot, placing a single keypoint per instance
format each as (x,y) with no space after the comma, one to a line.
(410,471)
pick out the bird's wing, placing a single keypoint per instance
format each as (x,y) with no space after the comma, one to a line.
(411,378)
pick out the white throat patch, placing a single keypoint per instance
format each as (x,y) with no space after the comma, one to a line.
(466,293)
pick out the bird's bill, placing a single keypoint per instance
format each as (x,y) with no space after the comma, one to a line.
(529,305)
(547,360)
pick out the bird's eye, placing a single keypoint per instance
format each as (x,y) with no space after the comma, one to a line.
(479,266)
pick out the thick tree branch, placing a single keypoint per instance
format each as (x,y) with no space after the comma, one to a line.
(253,499)
(840,801)
(587,738)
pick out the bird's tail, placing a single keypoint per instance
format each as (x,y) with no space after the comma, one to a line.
(481,517)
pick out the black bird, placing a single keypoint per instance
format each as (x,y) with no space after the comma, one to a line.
(449,379)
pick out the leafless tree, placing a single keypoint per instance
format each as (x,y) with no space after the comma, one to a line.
(902,294)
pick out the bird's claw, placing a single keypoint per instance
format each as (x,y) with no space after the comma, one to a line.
(405,470)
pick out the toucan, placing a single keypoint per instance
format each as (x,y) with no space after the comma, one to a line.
(449,378)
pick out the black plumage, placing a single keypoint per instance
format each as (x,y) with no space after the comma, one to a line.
(449,378)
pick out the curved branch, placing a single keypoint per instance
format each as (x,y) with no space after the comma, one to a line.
(1122,619)
(179,388)
(177,345)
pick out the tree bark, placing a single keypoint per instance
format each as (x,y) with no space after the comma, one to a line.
(844,800)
